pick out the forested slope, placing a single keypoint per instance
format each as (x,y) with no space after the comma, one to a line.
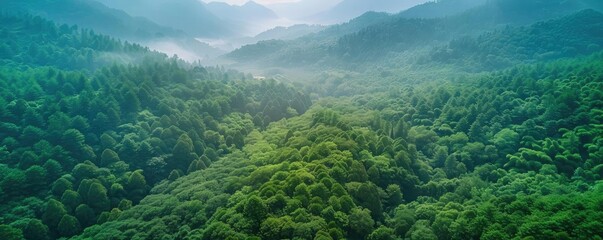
(384,39)
(93,15)
(486,158)
(81,136)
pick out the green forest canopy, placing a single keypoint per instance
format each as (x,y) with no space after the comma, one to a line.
(102,139)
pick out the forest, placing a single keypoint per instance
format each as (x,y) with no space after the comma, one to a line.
(493,135)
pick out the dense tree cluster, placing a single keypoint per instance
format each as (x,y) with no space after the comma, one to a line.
(578,34)
(492,157)
(64,46)
(78,148)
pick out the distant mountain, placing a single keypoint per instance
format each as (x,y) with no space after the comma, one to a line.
(93,15)
(191,16)
(379,37)
(298,10)
(245,20)
(308,49)
(441,8)
(487,12)
(349,9)
(115,23)
(289,33)
(250,11)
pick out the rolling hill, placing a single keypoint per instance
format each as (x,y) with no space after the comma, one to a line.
(388,36)
(350,9)
(190,16)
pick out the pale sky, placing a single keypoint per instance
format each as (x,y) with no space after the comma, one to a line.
(241,2)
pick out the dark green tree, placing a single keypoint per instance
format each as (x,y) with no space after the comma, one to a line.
(69,226)
(97,197)
(36,230)
(108,157)
(360,222)
(54,213)
(9,233)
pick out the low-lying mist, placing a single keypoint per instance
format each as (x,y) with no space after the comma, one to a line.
(172,48)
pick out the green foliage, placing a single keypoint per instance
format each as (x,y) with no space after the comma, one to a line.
(414,149)
(360,222)
(69,226)
(108,157)
(10,233)
(35,229)
(54,213)
(96,196)
(255,209)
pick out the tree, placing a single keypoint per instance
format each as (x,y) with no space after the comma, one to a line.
(69,226)
(383,233)
(36,178)
(174,174)
(403,220)
(53,169)
(97,197)
(195,165)
(54,213)
(107,141)
(255,210)
(182,152)
(28,159)
(394,195)
(361,222)
(85,215)
(60,186)
(277,228)
(137,186)
(86,170)
(35,230)
(367,195)
(13,184)
(108,157)
(421,231)
(131,102)
(73,140)
(71,199)
(358,172)
(506,141)
(9,233)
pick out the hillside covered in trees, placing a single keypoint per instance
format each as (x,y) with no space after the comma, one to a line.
(494,134)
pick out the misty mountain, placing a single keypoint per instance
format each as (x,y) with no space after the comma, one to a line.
(96,16)
(349,9)
(388,36)
(289,33)
(116,23)
(401,33)
(303,9)
(307,47)
(441,8)
(250,11)
(190,16)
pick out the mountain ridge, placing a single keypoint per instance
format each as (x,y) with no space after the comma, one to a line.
(350,9)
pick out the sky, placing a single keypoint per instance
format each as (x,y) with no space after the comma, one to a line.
(241,2)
